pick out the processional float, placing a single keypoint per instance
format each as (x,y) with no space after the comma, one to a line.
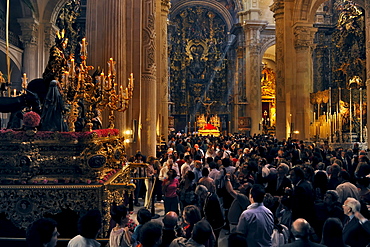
(46,172)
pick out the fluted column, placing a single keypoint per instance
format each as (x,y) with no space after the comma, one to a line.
(162,71)
(281,123)
(106,37)
(252,31)
(367,26)
(148,79)
(29,27)
(301,106)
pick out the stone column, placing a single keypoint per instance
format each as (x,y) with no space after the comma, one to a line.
(252,31)
(303,85)
(148,78)
(29,28)
(278,9)
(367,26)
(106,37)
(162,71)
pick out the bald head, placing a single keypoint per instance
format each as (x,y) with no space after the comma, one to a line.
(170,219)
(301,228)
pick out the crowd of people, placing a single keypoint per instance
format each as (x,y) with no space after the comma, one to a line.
(259,190)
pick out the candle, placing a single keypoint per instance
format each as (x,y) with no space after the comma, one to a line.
(15,93)
(83,47)
(112,65)
(120,92)
(24,81)
(66,74)
(126,92)
(72,69)
(102,79)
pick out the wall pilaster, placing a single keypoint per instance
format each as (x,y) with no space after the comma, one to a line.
(162,71)
(252,30)
(278,9)
(367,26)
(149,78)
(300,101)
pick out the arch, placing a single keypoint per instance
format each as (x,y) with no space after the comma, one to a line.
(15,53)
(266,43)
(216,6)
(52,10)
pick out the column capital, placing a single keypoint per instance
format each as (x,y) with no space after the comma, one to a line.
(29,27)
(165,5)
(278,8)
(303,36)
(50,31)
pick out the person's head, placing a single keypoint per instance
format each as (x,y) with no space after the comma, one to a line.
(212,165)
(42,233)
(283,169)
(190,175)
(143,216)
(237,239)
(170,220)
(89,224)
(201,191)
(296,174)
(330,197)
(192,214)
(171,174)
(205,172)
(257,193)
(198,164)
(245,188)
(226,162)
(332,232)
(118,214)
(335,170)
(350,206)
(301,228)
(202,231)
(151,234)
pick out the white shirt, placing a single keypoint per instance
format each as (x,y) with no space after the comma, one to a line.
(80,241)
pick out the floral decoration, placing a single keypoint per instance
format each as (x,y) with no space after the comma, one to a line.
(31,119)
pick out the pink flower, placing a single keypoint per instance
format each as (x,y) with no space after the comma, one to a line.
(31,119)
(88,181)
(35,182)
(45,181)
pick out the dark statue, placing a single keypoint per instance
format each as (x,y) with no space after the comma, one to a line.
(15,106)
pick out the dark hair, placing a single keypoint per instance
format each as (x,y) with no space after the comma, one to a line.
(174,173)
(40,232)
(205,172)
(202,231)
(191,175)
(143,216)
(209,160)
(150,234)
(226,162)
(298,172)
(192,214)
(258,193)
(90,224)
(118,212)
(212,165)
(332,233)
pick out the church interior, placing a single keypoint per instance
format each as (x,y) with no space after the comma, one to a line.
(293,69)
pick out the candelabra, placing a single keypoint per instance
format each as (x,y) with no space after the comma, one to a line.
(86,95)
